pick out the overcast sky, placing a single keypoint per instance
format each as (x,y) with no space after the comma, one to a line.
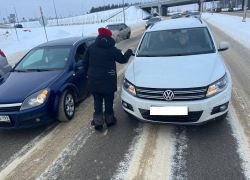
(30,8)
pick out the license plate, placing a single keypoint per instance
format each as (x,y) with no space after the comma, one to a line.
(4,119)
(169,111)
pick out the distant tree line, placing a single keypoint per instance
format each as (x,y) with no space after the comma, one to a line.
(108,7)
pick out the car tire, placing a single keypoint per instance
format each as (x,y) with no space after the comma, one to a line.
(66,107)
(128,36)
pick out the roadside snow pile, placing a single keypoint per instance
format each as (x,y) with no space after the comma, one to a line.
(131,14)
(231,25)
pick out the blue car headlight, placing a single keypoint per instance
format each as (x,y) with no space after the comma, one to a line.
(217,86)
(35,99)
(130,88)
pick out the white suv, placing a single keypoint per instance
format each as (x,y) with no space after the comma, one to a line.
(177,75)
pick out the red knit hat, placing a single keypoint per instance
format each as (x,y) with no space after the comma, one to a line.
(104,31)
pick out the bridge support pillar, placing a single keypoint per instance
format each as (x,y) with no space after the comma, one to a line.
(201,5)
(162,10)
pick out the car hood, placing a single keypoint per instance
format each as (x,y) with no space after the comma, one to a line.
(18,85)
(176,72)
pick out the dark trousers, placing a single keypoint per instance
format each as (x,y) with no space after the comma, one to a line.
(98,100)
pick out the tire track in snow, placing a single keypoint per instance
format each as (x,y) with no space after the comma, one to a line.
(157,153)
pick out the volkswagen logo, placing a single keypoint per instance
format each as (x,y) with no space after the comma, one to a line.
(168,95)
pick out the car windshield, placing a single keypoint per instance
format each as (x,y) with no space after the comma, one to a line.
(154,19)
(45,59)
(176,42)
(113,27)
(189,12)
(195,13)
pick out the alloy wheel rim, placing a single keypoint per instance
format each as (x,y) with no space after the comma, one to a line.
(69,104)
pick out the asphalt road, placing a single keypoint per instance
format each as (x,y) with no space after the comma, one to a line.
(207,152)
(133,150)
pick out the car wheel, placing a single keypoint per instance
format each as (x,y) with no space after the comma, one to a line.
(66,107)
(128,36)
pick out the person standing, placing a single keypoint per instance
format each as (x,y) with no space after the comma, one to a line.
(99,63)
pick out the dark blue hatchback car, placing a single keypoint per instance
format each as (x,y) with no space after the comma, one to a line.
(45,84)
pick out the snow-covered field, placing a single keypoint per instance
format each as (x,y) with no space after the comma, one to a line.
(231,25)
(94,18)
(36,36)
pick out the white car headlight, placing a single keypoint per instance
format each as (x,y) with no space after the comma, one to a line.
(130,88)
(35,99)
(218,86)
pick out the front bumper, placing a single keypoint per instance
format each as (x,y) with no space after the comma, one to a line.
(204,106)
(28,118)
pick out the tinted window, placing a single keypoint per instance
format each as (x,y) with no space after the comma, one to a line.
(113,27)
(154,19)
(176,42)
(90,42)
(45,58)
(195,13)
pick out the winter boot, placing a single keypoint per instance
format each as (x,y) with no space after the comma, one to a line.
(97,121)
(110,119)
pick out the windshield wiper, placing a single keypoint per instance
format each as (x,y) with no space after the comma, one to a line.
(20,70)
(39,70)
(145,56)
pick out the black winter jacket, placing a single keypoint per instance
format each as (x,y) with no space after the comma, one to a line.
(99,63)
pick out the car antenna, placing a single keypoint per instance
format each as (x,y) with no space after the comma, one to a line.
(200,20)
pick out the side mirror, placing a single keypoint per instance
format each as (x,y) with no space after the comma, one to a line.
(79,64)
(121,29)
(223,46)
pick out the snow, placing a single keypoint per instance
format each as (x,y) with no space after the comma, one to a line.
(36,36)
(231,25)
(241,140)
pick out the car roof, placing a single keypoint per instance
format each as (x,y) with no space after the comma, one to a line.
(66,41)
(177,24)
(115,24)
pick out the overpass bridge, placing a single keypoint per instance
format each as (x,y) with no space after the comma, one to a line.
(163,5)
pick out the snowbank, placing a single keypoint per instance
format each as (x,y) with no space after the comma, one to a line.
(132,13)
(231,25)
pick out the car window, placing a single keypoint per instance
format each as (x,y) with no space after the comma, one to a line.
(154,19)
(80,52)
(90,42)
(122,26)
(125,26)
(195,13)
(176,42)
(112,27)
(34,57)
(46,58)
